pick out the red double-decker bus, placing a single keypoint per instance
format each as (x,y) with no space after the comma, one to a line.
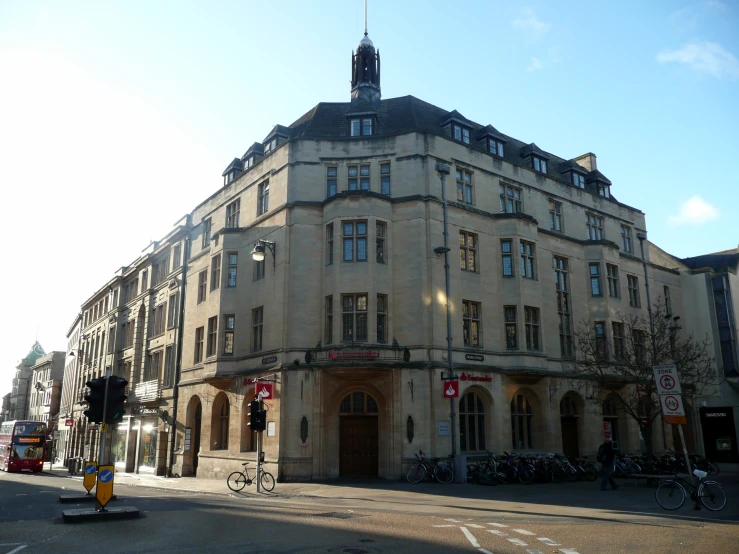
(22,445)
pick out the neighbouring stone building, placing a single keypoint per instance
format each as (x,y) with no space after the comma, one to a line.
(46,388)
(20,393)
(344,313)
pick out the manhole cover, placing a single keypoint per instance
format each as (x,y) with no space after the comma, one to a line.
(340,515)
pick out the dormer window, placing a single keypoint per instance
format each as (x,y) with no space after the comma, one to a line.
(495,147)
(603,190)
(228,177)
(270,145)
(461,134)
(248,162)
(540,164)
(578,180)
(360,127)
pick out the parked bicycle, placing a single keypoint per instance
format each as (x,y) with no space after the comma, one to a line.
(429,469)
(625,467)
(671,493)
(239,479)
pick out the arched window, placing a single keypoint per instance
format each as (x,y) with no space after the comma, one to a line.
(219,428)
(471,423)
(521,423)
(358,403)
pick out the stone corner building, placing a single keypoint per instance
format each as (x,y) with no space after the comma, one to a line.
(346,315)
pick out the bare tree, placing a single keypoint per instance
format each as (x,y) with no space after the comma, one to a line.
(625,362)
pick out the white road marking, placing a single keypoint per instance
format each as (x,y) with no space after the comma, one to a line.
(453,520)
(548,542)
(496,532)
(497,524)
(568,551)
(42,492)
(475,525)
(523,532)
(533,551)
(484,551)
(517,542)
(450,525)
(17,549)
(470,537)
(9,544)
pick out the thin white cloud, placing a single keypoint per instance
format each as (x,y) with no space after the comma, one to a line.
(692,15)
(535,64)
(694,211)
(530,24)
(705,57)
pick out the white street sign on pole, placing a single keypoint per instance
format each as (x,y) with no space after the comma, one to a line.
(666,379)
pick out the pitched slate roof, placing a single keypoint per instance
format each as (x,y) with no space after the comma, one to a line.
(407,114)
(719,261)
(235,164)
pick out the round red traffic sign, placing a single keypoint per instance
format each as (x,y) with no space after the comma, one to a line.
(672,403)
(667,382)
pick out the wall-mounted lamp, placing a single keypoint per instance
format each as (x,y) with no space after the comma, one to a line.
(258,253)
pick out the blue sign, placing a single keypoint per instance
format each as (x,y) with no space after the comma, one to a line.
(90,469)
(105,476)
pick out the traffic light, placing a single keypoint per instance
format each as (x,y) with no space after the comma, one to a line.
(257,417)
(95,399)
(116,397)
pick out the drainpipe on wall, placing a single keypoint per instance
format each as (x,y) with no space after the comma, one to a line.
(180,334)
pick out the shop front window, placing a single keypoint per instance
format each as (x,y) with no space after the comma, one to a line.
(148,444)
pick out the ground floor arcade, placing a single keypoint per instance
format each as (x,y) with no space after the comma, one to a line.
(363,421)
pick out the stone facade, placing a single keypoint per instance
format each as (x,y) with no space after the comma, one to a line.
(46,388)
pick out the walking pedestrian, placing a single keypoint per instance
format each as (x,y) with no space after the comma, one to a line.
(606,455)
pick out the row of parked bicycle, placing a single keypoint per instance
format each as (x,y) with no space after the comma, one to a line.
(550,468)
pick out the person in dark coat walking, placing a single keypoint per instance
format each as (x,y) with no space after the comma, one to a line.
(606,455)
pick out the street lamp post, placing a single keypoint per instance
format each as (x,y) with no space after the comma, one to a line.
(443,170)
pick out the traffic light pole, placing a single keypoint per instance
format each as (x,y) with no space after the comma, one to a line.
(102,458)
(259,452)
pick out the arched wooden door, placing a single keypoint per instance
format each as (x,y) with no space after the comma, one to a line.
(358,436)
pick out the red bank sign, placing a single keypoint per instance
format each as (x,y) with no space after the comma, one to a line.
(478,378)
(451,389)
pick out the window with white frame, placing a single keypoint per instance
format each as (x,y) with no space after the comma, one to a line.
(495,147)
(364,177)
(539,164)
(603,189)
(215,272)
(460,133)
(229,326)
(578,179)
(360,126)
(233,262)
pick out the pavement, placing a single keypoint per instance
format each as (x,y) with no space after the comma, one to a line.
(578,500)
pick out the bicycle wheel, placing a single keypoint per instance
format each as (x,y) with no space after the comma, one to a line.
(714,468)
(712,495)
(571,473)
(236,481)
(443,473)
(526,474)
(416,473)
(557,474)
(268,482)
(670,495)
(590,473)
(632,469)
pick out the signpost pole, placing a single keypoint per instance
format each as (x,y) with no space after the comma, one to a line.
(259,459)
(102,459)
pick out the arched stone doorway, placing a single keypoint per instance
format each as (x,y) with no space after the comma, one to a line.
(193,424)
(526,422)
(475,409)
(358,435)
(570,412)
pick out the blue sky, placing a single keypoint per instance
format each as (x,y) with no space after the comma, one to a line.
(117,118)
